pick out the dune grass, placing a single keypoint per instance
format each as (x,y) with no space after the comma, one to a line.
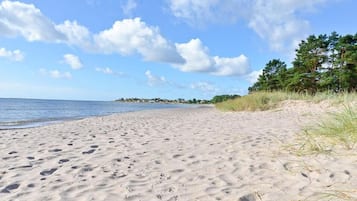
(261,101)
(254,102)
(338,129)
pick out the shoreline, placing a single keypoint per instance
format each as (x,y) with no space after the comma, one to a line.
(33,123)
(171,154)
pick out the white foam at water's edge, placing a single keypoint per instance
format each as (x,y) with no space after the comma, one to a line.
(26,124)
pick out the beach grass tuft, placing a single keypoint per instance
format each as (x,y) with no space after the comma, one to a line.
(338,129)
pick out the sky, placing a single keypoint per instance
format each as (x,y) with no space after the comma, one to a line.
(109,49)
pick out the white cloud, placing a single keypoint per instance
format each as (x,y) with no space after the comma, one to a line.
(26,20)
(108,71)
(131,36)
(253,76)
(125,37)
(15,55)
(231,66)
(195,55)
(154,80)
(129,7)
(75,34)
(21,19)
(204,87)
(209,11)
(105,70)
(197,60)
(278,22)
(73,61)
(56,74)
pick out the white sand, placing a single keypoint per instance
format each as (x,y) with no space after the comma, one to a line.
(180,154)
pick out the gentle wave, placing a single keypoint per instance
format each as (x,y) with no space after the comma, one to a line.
(30,123)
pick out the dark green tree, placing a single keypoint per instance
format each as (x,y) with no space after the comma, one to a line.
(310,56)
(347,48)
(221,98)
(272,78)
(329,80)
(322,63)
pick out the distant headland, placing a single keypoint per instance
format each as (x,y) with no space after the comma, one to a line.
(215,99)
(165,101)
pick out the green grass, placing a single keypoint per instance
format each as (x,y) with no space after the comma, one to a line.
(341,195)
(260,101)
(338,129)
(254,102)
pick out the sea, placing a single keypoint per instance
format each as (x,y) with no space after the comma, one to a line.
(25,113)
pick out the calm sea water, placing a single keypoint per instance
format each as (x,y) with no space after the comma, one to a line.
(23,113)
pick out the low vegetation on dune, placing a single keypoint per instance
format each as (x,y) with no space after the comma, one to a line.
(254,102)
(338,128)
(263,100)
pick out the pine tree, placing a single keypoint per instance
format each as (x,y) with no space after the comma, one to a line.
(310,56)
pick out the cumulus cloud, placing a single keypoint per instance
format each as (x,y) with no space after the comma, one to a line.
(195,55)
(154,80)
(129,7)
(253,76)
(26,20)
(278,22)
(197,59)
(56,74)
(125,37)
(15,55)
(73,61)
(75,34)
(131,36)
(21,19)
(204,87)
(225,66)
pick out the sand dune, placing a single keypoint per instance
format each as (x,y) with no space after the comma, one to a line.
(176,154)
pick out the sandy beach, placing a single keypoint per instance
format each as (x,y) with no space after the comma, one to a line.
(175,154)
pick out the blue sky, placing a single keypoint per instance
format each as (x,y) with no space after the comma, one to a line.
(103,50)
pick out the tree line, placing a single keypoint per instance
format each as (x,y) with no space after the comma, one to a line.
(225,97)
(322,63)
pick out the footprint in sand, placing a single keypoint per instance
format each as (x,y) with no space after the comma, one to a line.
(10,187)
(12,152)
(89,151)
(177,171)
(55,150)
(63,161)
(176,155)
(48,172)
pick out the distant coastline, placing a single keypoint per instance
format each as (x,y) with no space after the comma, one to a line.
(164,101)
